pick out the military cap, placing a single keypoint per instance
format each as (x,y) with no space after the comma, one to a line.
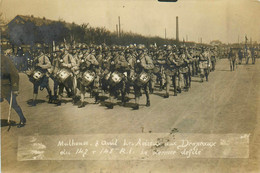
(140,47)
(169,47)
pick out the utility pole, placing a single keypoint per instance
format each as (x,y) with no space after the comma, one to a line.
(177,28)
(165,33)
(119,27)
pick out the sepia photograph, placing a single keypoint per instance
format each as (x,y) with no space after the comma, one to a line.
(130,86)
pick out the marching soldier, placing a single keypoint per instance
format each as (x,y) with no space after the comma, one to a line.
(247,55)
(88,63)
(254,54)
(105,69)
(153,55)
(55,61)
(185,69)
(43,64)
(143,64)
(118,67)
(68,62)
(171,66)
(204,64)
(130,58)
(213,59)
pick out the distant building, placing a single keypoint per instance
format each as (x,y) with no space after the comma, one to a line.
(28,30)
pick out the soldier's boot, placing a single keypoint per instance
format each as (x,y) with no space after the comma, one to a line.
(110,105)
(147,98)
(21,123)
(187,88)
(73,100)
(179,89)
(136,106)
(55,99)
(148,103)
(96,98)
(160,84)
(50,97)
(58,103)
(81,105)
(34,103)
(166,95)
(34,99)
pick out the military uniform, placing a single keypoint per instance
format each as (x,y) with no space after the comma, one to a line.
(213,60)
(171,65)
(240,56)
(89,63)
(232,59)
(10,84)
(185,70)
(69,63)
(118,65)
(204,65)
(247,55)
(44,65)
(143,63)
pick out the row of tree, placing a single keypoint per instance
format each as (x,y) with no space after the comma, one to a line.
(29,34)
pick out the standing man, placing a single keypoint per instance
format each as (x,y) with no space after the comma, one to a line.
(10,86)
(204,64)
(232,59)
(240,56)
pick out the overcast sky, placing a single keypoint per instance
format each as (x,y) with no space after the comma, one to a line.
(223,20)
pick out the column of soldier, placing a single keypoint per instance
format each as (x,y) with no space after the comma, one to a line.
(117,71)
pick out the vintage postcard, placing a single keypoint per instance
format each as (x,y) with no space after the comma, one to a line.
(130,86)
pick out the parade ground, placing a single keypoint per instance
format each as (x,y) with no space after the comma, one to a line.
(229,103)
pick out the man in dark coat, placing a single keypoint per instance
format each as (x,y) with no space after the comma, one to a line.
(10,84)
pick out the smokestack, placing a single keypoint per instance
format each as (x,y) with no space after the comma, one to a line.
(117,31)
(119,27)
(177,28)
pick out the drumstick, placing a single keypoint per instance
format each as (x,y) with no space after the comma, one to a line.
(10,108)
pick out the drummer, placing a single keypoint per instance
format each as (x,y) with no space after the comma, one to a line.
(68,62)
(43,64)
(88,63)
(55,61)
(120,66)
(143,63)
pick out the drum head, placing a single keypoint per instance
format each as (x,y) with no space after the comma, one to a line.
(142,79)
(63,75)
(115,77)
(87,78)
(37,75)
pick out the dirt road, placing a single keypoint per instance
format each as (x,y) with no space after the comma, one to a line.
(228,103)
